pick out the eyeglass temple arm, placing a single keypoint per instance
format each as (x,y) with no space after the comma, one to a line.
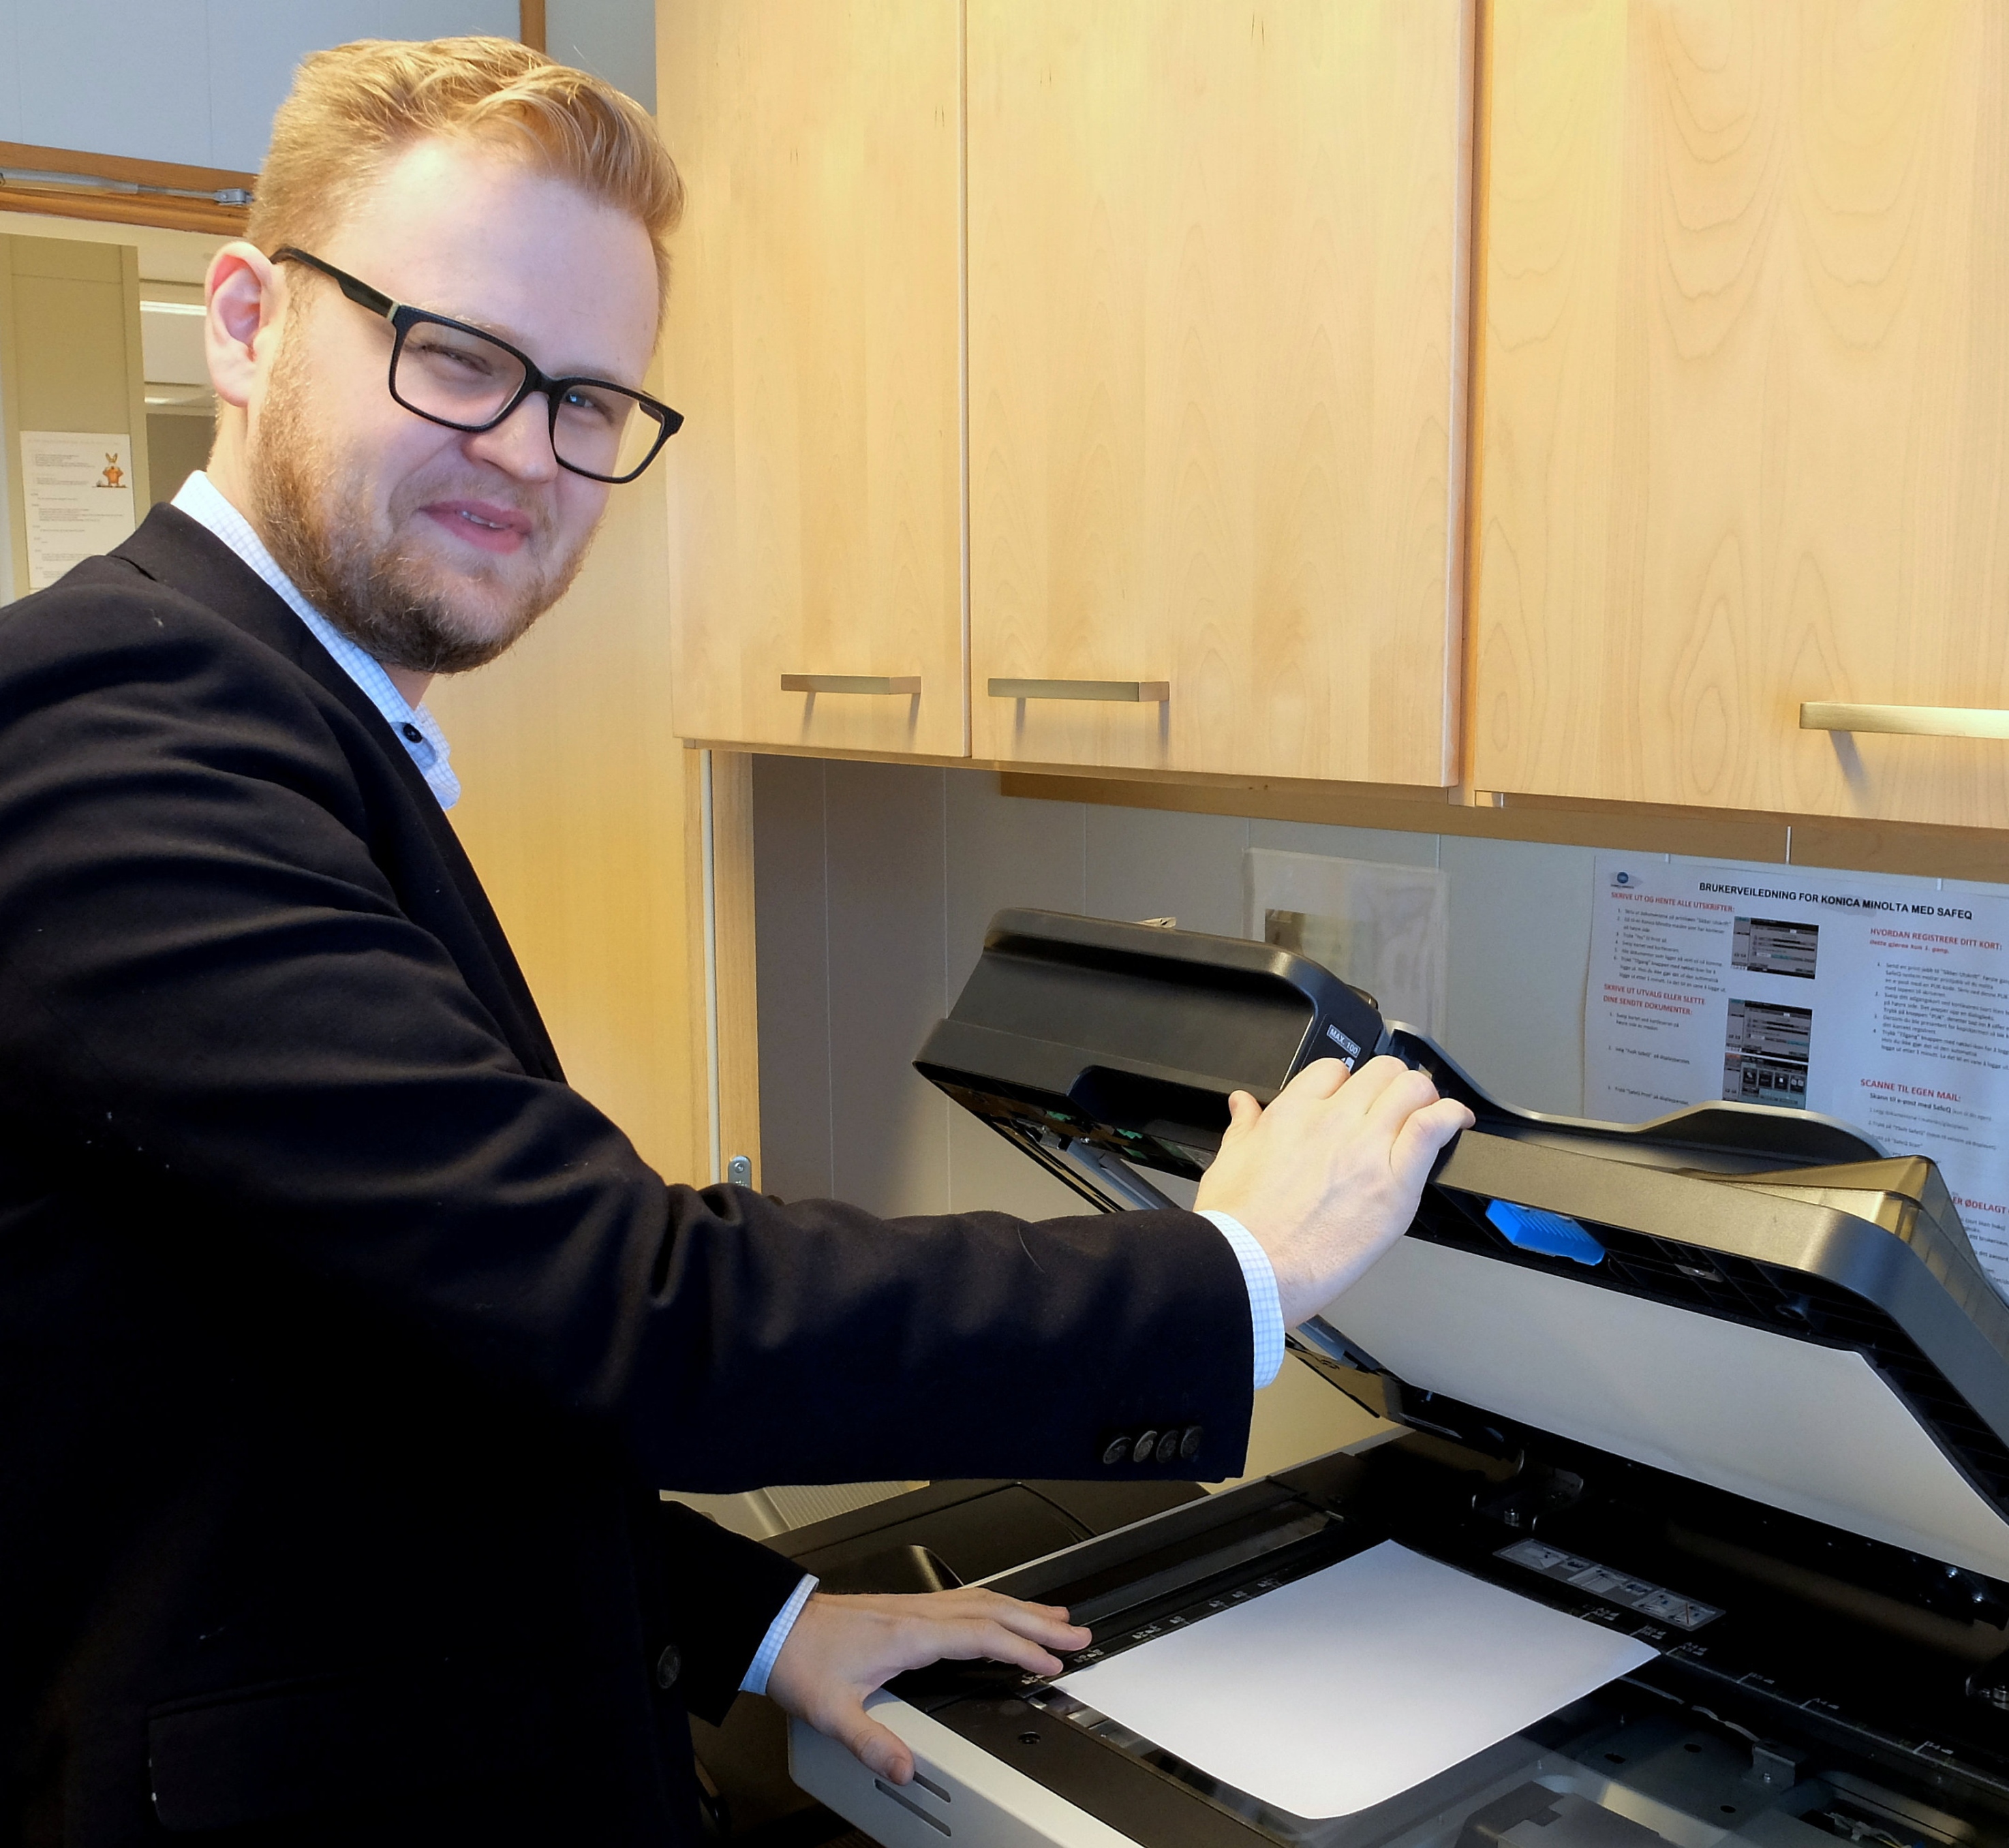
(358,292)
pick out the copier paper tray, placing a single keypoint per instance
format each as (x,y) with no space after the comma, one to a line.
(1732,1385)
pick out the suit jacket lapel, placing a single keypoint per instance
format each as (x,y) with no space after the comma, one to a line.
(184,555)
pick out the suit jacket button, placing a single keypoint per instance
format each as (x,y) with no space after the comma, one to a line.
(669,1665)
(1168,1447)
(1189,1444)
(1144,1448)
(1116,1449)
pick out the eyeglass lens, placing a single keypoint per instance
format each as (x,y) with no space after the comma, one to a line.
(462,378)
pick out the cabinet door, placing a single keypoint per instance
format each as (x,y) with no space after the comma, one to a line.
(812,343)
(1743,410)
(1216,345)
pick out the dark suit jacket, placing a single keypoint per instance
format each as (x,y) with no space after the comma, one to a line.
(343,1348)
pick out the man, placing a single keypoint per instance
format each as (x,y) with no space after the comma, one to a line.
(343,1349)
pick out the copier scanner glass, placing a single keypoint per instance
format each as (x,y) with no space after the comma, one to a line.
(1686,1524)
(1437,1665)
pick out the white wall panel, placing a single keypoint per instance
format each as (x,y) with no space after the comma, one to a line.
(10,70)
(171,339)
(875,881)
(999,854)
(255,45)
(614,39)
(124,77)
(1520,951)
(194,81)
(1144,863)
(885,901)
(791,946)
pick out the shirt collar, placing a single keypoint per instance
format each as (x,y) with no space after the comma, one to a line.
(414,726)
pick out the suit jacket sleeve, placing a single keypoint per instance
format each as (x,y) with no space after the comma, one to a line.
(210,996)
(723,1591)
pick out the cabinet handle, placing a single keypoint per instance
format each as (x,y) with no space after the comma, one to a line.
(1134,692)
(1910,721)
(908,684)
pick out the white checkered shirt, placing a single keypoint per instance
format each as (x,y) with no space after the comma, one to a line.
(416,729)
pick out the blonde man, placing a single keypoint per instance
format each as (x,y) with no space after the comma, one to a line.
(343,1348)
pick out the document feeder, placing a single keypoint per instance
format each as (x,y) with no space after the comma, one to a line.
(1731,1381)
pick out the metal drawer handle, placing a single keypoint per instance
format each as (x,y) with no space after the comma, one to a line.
(1910,721)
(1134,692)
(906,683)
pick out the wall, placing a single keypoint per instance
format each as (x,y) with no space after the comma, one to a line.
(176,447)
(194,81)
(70,358)
(181,407)
(873,886)
(614,39)
(874,882)
(170,266)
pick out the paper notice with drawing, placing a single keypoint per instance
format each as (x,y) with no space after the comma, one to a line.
(1883,1001)
(76,491)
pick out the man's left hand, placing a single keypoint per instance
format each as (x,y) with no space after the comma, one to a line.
(842,1649)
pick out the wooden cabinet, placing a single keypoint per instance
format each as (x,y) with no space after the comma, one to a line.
(1215,308)
(813,343)
(1216,337)
(1743,401)
(574,812)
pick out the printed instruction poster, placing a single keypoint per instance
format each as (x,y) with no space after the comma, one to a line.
(78,491)
(1880,1000)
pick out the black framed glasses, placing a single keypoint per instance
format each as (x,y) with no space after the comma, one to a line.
(450,373)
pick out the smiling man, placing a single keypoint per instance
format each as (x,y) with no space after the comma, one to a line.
(343,1348)
(377,449)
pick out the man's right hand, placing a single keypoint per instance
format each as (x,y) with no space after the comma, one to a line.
(844,1649)
(1329,1176)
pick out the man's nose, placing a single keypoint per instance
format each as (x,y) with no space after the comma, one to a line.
(521,444)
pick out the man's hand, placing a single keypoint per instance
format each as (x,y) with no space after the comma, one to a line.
(1328,1177)
(842,1649)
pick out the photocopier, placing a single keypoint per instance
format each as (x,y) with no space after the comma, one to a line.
(1731,1384)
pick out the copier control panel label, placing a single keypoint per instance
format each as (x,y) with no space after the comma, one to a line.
(1652,1601)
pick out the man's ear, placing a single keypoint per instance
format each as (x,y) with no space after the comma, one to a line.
(246,298)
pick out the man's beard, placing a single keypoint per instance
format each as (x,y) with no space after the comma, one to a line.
(314,517)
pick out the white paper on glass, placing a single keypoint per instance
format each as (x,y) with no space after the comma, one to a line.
(1340,1690)
(1880,999)
(1384,928)
(77,490)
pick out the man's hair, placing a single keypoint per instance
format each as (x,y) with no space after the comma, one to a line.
(352,110)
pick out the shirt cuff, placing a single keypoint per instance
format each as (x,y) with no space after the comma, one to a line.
(765,1657)
(1265,1308)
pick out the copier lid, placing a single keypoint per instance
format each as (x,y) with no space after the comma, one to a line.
(1820,1339)
(1752,1298)
(1798,1424)
(1131,1036)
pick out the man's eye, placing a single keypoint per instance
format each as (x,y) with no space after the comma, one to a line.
(437,352)
(583,402)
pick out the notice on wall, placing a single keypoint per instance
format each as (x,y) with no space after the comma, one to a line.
(78,490)
(1880,1000)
